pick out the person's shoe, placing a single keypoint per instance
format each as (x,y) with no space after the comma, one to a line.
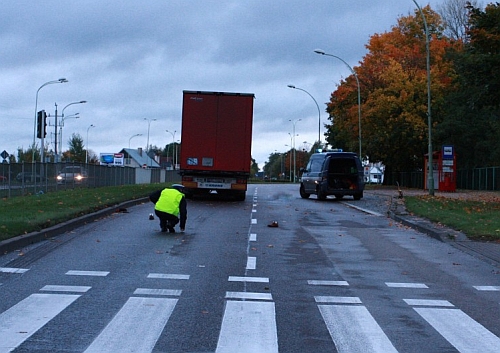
(164,230)
(171,230)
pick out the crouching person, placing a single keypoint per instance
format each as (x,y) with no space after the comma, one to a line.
(170,207)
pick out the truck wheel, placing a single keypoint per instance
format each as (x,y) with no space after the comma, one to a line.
(303,194)
(240,196)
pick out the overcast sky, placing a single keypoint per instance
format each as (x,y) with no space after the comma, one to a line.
(131,60)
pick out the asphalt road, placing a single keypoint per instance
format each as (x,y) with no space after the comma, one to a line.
(328,278)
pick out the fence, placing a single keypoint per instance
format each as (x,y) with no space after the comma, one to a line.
(485,179)
(31,178)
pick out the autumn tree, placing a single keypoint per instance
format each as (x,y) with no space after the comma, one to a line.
(393,79)
(455,15)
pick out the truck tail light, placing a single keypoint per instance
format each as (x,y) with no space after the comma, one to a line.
(187,178)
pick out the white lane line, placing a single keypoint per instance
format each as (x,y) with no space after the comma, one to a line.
(327,283)
(157,291)
(13,270)
(22,320)
(248,327)
(487,288)
(464,333)
(251,263)
(168,276)
(125,333)
(249,295)
(428,302)
(88,273)
(406,285)
(254,210)
(337,300)
(253,237)
(58,288)
(353,329)
(254,221)
(248,279)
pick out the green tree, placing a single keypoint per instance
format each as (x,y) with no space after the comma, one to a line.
(472,117)
(76,151)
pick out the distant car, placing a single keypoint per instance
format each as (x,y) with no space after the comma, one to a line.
(29,177)
(72,174)
(3,179)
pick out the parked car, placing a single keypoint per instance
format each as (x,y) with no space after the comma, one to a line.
(72,174)
(333,173)
(3,179)
(29,177)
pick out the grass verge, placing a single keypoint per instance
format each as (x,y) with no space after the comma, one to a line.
(479,220)
(25,214)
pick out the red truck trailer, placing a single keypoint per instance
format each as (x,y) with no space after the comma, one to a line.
(216,143)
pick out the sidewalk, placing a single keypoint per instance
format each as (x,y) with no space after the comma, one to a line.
(487,251)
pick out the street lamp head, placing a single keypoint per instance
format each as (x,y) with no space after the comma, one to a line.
(62,80)
(82,102)
(319,51)
(291,86)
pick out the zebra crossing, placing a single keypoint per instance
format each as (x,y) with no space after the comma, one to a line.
(248,322)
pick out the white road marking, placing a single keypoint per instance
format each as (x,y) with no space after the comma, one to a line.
(464,333)
(22,320)
(254,221)
(155,291)
(248,279)
(327,283)
(248,327)
(406,285)
(428,302)
(353,330)
(136,327)
(251,263)
(337,300)
(168,276)
(57,288)
(13,270)
(487,288)
(88,273)
(253,237)
(249,295)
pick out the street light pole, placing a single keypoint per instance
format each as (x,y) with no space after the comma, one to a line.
(430,176)
(294,150)
(61,80)
(87,149)
(173,142)
(132,138)
(319,112)
(56,157)
(322,52)
(61,125)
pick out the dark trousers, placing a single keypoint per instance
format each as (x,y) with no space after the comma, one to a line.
(167,221)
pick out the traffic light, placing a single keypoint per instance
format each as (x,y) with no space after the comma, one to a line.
(41,124)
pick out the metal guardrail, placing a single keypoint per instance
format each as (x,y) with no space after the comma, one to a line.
(31,178)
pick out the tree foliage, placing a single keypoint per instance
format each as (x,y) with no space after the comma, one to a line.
(472,118)
(393,80)
(76,151)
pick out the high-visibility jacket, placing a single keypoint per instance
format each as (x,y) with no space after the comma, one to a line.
(169,201)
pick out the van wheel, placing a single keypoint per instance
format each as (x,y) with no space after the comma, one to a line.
(303,194)
(358,196)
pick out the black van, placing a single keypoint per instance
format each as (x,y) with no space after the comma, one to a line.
(333,173)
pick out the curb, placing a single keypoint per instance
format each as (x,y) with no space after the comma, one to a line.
(24,240)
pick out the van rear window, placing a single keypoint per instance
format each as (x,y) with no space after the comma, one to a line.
(342,166)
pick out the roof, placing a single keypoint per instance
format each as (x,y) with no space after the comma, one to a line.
(143,159)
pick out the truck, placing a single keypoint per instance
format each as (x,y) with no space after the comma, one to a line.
(216,143)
